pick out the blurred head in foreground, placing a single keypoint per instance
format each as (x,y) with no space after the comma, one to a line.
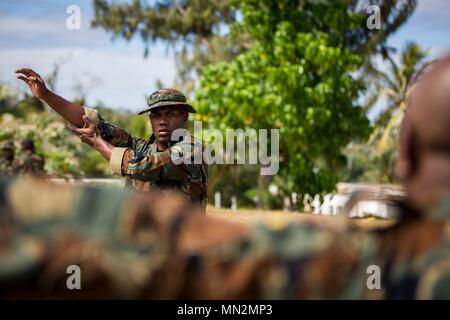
(423,165)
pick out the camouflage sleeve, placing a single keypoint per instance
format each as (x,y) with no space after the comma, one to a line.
(294,261)
(142,167)
(434,282)
(151,245)
(122,240)
(182,156)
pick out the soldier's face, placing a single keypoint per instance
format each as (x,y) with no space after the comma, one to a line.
(165,120)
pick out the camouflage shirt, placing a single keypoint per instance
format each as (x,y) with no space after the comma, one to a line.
(147,245)
(147,168)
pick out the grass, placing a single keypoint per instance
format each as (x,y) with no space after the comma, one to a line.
(279,218)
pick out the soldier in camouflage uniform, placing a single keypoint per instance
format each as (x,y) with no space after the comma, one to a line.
(148,246)
(8,163)
(147,162)
(29,162)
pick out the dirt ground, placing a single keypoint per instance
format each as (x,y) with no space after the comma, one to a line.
(252,216)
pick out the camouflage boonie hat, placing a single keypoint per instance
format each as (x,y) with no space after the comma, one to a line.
(8,145)
(167,97)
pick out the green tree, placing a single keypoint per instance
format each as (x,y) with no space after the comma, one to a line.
(200,30)
(7,99)
(295,78)
(290,65)
(392,83)
(196,29)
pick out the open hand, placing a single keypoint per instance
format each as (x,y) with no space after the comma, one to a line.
(34,82)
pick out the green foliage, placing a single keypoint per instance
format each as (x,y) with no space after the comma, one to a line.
(296,79)
(7,99)
(10,102)
(92,163)
(65,155)
(366,165)
(285,64)
(52,140)
(205,31)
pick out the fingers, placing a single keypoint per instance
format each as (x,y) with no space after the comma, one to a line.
(35,79)
(27,79)
(23,70)
(29,74)
(23,78)
(84,137)
(78,131)
(88,130)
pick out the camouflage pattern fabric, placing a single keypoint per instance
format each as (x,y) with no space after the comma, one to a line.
(416,254)
(167,97)
(148,245)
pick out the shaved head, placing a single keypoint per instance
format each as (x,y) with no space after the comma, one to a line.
(430,107)
(424,159)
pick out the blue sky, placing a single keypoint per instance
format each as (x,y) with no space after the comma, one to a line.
(34,34)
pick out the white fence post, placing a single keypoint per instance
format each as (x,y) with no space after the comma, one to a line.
(233,203)
(316,204)
(325,208)
(217,199)
(306,203)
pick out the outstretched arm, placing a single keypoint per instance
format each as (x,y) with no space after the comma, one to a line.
(72,112)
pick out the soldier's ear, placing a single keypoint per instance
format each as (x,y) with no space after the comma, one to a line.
(185,116)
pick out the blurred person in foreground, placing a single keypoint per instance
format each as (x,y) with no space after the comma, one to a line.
(147,163)
(138,247)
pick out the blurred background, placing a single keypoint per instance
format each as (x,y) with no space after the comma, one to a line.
(334,88)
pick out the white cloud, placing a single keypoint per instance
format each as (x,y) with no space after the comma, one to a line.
(20,32)
(124,78)
(25,25)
